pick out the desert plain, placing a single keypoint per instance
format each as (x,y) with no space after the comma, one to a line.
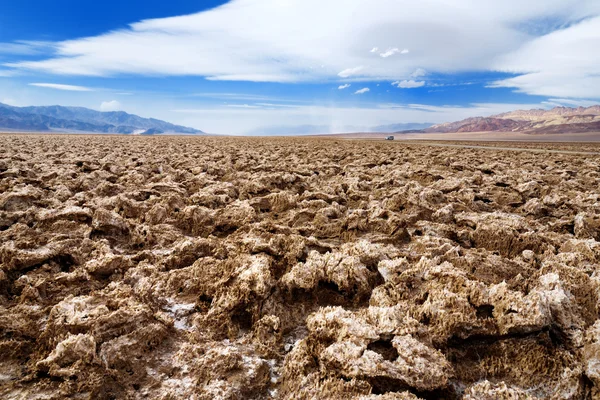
(297,268)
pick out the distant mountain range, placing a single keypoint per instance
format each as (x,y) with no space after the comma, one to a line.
(404,127)
(79,119)
(556,120)
(300,130)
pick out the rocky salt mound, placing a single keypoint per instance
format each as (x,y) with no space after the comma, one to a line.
(203,268)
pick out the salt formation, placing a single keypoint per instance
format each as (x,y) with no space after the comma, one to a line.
(220,268)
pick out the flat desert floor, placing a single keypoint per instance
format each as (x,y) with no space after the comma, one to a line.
(249,268)
(587,137)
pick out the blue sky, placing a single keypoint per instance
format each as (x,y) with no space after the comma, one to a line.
(245,66)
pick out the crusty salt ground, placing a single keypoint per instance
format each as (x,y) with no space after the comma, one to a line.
(234,268)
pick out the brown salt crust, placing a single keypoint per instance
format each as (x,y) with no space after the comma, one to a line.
(230,268)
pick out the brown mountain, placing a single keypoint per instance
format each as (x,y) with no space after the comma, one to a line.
(477,124)
(556,120)
(557,112)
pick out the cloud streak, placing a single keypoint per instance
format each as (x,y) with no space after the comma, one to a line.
(348,72)
(389,52)
(26,47)
(408,84)
(57,86)
(362,91)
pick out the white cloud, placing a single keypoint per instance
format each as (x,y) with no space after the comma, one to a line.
(570,102)
(419,72)
(390,52)
(113,105)
(258,40)
(405,51)
(341,87)
(561,63)
(362,91)
(408,84)
(374,50)
(348,72)
(70,88)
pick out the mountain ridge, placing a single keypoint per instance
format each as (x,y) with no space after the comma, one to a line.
(81,119)
(536,121)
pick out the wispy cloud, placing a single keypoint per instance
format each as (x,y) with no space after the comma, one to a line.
(389,52)
(419,72)
(244,105)
(259,77)
(348,72)
(408,84)
(27,47)
(362,91)
(345,86)
(238,96)
(57,86)
(272,105)
(570,102)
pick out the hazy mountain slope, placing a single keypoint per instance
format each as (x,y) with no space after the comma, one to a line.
(556,120)
(391,128)
(16,124)
(572,127)
(83,119)
(13,118)
(477,124)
